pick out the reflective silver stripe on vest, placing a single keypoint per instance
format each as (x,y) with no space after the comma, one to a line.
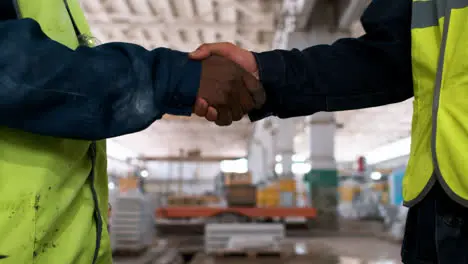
(426,13)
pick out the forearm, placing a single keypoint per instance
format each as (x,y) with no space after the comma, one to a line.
(372,70)
(88,93)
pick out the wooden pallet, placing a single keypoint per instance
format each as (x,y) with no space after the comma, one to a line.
(250,254)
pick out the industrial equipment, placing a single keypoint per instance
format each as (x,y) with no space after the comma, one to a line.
(237,178)
(240,195)
(241,201)
(253,214)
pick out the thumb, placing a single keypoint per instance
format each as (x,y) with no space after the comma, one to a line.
(200,53)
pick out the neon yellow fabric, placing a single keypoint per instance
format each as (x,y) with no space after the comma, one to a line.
(440,118)
(452,116)
(46,204)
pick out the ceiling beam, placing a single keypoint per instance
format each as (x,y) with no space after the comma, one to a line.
(350,11)
(130,22)
(159,181)
(192,159)
(206,10)
(304,16)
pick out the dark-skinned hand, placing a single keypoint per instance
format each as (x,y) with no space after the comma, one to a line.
(229,89)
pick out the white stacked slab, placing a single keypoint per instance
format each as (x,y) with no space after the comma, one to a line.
(132,222)
(220,237)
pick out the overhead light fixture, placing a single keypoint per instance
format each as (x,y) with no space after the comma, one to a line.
(279,168)
(298,158)
(278,158)
(376,175)
(144,173)
(390,151)
(234,166)
(300,168)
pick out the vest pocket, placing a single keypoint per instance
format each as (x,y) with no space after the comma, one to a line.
(17,227)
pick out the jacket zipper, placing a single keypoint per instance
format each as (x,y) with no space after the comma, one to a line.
(17,10)
(97,212)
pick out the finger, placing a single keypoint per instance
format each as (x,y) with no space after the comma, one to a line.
(212,114)
(235,100)
(202,52)
(246,100)
(230,51)
(201,107)
(256,89)
(237,113)
(224,117)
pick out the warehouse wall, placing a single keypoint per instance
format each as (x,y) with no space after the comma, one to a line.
(186,187)
(196,177)
(117,167)
(190,170)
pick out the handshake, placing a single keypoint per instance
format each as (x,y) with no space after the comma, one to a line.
(229,85)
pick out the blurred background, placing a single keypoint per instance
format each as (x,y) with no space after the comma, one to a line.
(320,189)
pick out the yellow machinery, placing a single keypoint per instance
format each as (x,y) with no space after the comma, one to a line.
(287,185)
(271,194)
(260,196)
(382,188)
(210,199)
(348,189)
(277,193)
(287,189)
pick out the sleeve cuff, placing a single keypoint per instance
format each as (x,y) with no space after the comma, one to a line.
(187,75)
(271,70)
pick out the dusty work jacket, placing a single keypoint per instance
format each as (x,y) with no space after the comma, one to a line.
(58,100)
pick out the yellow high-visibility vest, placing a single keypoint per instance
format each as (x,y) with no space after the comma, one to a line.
(48,214)
(439,144)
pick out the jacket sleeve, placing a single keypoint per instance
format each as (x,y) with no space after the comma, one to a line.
(88,93)
(351,73)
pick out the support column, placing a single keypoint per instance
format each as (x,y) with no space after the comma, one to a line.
(323,177)
(285,148)
(260,152)
(269,136)
(257,159)
(285,145)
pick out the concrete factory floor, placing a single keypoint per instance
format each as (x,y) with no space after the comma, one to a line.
(327,250)
(324,251)
(357,242)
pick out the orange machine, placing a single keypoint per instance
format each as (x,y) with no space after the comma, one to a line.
(206,212)
(247,201)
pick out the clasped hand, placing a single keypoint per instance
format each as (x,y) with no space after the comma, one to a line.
(229,88)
